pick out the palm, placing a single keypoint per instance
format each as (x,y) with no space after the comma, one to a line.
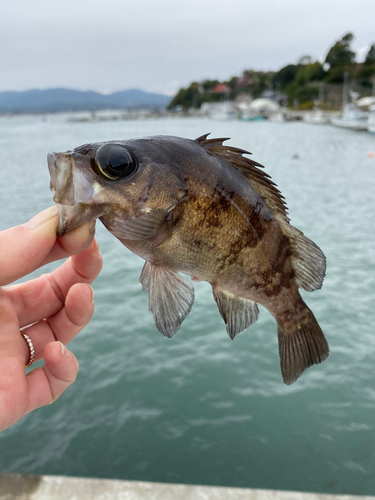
(57,306)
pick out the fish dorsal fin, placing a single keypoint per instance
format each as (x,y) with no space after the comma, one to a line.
(259,180)
(170,297)
(308,260)
(238,313)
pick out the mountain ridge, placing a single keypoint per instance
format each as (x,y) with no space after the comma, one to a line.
(63,99)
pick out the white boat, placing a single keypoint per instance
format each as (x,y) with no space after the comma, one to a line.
(352,117)
(277,117)
(316,117)
(223,111)
(371,120)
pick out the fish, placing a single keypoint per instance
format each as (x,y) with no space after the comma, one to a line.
(205,209)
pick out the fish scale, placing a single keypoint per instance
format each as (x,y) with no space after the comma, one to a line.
(201,208)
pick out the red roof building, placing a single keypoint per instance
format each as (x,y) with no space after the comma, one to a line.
(221,88)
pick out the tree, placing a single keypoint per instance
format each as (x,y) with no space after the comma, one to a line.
(370,58)
(208,85)
(186,98)
(305,60)
(340,59)
(302,93)
(309,73)
(285,75)
(366,72)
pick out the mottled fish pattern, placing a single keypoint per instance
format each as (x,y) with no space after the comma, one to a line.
(202,208)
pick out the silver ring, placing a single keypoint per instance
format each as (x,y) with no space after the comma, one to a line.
(31,348)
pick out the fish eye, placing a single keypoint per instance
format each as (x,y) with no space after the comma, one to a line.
(114,162)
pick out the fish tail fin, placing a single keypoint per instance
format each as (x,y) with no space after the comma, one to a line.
(301,344)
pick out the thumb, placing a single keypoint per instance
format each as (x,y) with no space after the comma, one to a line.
(24,248)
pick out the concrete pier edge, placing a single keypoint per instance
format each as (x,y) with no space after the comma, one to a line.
(45,487)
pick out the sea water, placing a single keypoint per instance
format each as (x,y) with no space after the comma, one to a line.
(201,408)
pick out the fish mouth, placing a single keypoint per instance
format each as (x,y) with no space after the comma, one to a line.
(69,218)
(72,193)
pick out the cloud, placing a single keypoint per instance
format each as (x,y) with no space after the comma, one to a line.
(161,46)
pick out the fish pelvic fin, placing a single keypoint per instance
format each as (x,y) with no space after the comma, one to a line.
(170,297)
(308,260)
(301,345)
(238,313)
(145,277)
(251,170)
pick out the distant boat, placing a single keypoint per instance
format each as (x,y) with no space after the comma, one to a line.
(259,109)
(352,117)
(223,111)
(251,116)
(316,117)
(371,120)
(277,117)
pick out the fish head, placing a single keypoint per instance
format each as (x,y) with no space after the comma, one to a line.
(114,181)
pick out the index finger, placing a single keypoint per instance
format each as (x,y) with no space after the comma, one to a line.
(29,246)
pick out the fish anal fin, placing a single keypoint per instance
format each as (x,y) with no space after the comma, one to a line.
(308,260)
(238,313)
(300,346)
(170,297)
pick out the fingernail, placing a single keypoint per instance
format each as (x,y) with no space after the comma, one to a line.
(92,227)
(92,291)
(41,218)
(64,351)
(96,247)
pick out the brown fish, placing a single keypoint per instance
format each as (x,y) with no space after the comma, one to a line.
(202,208)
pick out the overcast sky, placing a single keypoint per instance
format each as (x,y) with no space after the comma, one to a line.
(161,45)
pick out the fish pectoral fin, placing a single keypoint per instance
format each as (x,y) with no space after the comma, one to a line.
(152,226)
(170,297)
(237,312)
(300,346)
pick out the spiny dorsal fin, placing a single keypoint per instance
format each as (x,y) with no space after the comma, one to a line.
(250,170)
(309,262)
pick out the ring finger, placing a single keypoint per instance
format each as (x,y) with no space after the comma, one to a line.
(65,324)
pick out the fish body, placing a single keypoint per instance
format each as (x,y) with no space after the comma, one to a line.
(200,208)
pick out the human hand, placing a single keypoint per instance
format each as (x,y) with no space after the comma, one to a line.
(56,305)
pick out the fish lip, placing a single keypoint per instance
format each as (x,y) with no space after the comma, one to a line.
(61,168)
(73,192)
(51,160)
(70,217)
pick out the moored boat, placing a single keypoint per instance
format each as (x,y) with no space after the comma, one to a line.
(371,120)
(316,117)
(352,118)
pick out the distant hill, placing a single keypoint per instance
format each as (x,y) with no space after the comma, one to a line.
(53,100)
